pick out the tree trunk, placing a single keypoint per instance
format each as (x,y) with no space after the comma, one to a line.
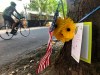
(64,63)
(81,8)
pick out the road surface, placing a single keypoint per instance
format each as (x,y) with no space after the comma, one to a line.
(10,49)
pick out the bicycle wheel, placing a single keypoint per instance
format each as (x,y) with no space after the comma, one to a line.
(25,31)
(5,32)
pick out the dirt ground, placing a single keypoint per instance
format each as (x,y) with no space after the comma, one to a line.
(26,64)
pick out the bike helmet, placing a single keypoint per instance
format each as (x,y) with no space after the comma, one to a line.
(13,4)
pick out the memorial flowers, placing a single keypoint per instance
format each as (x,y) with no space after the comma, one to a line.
(65,29)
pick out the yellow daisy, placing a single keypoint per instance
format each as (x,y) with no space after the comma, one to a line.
(68,29)
(65,29)
(59,23)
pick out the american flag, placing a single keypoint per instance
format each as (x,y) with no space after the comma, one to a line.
(45,61)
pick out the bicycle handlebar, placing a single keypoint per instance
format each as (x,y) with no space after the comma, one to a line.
(19,18)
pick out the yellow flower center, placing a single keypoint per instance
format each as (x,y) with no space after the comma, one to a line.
(68,29)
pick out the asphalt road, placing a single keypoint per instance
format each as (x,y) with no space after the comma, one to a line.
(10,49)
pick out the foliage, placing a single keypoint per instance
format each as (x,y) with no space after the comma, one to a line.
(46,6)
(64,7)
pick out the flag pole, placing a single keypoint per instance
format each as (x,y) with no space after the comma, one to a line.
(63,8)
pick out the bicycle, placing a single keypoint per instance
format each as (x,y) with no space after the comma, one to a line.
(6,29)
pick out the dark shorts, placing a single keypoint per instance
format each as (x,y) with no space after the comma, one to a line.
(8,18)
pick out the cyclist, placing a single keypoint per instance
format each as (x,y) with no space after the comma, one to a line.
(7,13)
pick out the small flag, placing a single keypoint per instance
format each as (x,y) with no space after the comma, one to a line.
(45,61)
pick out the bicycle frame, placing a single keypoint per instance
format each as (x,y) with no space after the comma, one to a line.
(19,25)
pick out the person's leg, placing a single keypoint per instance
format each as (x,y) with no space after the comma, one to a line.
(13,31)
(12,22)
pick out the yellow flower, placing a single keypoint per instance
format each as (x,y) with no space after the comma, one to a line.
(65,29)
(68,29)
(59,23)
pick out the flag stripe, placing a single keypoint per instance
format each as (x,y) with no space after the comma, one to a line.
(45,61)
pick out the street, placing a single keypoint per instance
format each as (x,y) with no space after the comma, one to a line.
(10,49)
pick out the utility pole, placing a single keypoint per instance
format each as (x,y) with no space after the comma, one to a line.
(25,8)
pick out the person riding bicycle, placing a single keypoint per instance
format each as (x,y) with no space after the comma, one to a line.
(8,12)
